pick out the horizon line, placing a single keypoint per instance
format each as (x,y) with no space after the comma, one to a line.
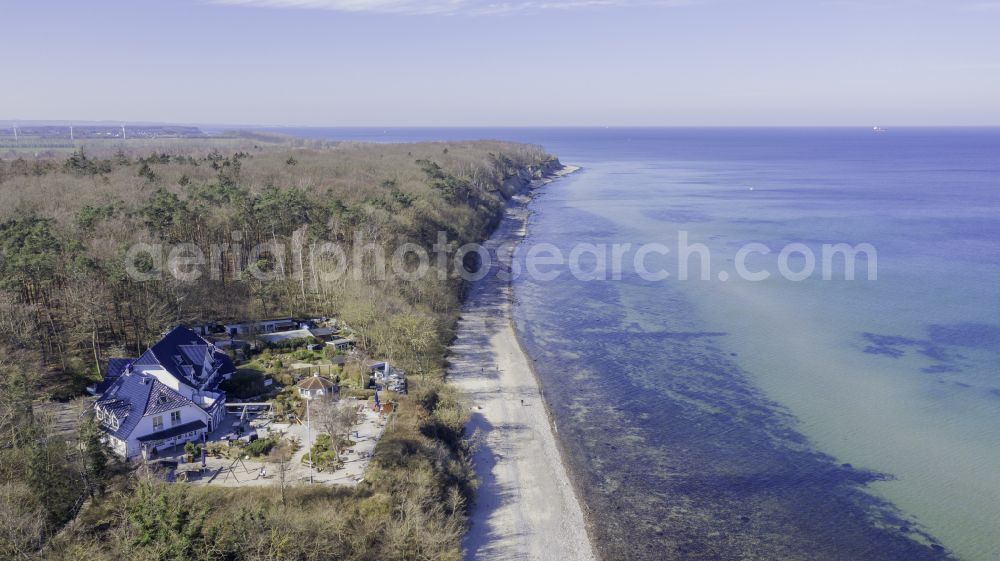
(118,123)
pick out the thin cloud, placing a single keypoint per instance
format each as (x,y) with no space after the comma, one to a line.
(447,7)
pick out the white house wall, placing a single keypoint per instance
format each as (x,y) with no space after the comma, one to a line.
(189,413)
(118,446)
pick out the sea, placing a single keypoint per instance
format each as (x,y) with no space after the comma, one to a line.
(808,415)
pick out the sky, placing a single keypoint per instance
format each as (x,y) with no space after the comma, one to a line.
(503,62)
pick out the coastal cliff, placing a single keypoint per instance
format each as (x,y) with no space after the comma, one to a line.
(520,181)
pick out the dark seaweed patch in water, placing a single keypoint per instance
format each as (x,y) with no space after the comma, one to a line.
(934,352)
(939,336)
(885,350)
(888,344)
(978,335)
(935,347)
(678,455)
(940,369)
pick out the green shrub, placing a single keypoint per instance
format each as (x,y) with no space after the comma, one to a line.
(261,446)
(323,452)
(192,449)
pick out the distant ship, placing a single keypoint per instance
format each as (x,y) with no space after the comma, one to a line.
(879,130)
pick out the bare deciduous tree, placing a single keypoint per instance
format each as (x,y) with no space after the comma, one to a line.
(336,418)
(22,522)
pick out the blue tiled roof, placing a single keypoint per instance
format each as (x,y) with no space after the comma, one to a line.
(166,352)
(126,399)
(117,407)
(181,348)
(102,387)
(163,399)
(195,353)
(116,367)
(134,396)
(226,365)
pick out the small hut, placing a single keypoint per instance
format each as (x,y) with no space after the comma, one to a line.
(316,386)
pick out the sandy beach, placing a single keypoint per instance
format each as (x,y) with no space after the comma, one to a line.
(526,507)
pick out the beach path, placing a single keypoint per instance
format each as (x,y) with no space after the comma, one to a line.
(526,508)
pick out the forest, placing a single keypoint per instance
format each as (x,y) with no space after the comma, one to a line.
(74,291)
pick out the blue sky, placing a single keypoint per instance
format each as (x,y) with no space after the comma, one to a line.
(515,62)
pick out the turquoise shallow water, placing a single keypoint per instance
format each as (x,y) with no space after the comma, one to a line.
(710,419)
(896,377)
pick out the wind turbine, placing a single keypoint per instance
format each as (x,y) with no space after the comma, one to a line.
(15,133)
(123,131)
(71,133)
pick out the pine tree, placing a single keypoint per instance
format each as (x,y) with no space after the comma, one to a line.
(94,457)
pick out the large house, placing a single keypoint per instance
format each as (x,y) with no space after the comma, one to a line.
(167,396)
